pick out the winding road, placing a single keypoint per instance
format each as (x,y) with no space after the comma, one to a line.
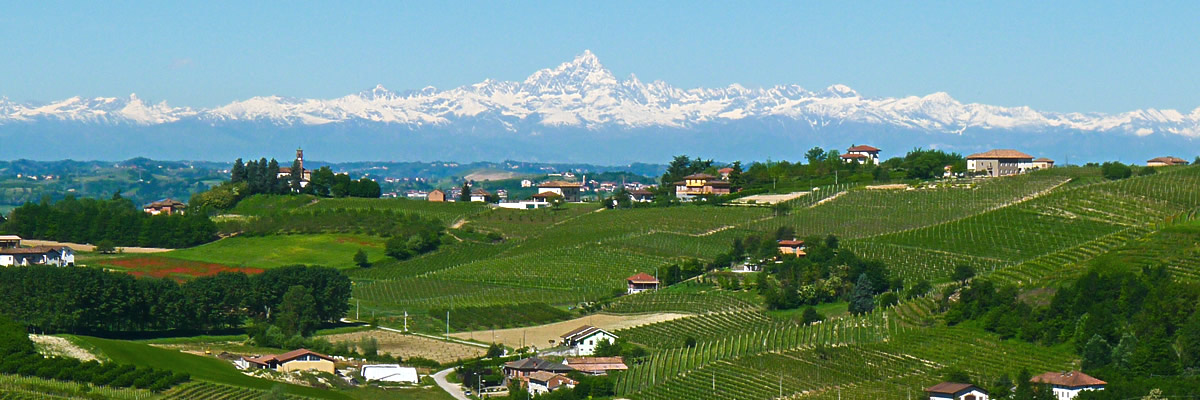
(453,388)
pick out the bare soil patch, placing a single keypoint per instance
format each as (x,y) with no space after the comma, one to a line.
(770,198)
(89,248)
(60,347)
(541,335)
(406,346)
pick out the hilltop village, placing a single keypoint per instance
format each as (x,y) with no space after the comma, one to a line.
(852,273)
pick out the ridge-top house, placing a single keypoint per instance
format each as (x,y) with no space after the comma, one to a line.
(1000,162)
(1043,163)
(544,382)
(956,391)
(1165,161)
(305,174)
(641,282)
(436,196)
(41,255)
(641,195)
(1067,385)
(568,190)
(862,154)
(583,340)
(480,196)
(700,185)
(295,360)
(165,206)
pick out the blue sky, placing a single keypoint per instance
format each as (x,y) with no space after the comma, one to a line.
(1057,56)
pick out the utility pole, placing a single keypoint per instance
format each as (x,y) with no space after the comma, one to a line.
(406,320)
(447,322)
(357,307)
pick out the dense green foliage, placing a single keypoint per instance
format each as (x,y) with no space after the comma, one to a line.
(18,356)
(91,300)
(115,220)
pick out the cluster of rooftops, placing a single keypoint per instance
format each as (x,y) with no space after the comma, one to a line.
(1066,385)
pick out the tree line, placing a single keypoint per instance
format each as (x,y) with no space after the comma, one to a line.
(19,356)
(117,221)
(87,300)
(1127,325)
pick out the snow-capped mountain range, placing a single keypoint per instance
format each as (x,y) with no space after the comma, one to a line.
(585,98)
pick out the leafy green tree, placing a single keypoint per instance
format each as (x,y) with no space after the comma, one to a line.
(811,315)
(815,155)
(1096,353)
(962,273)
(360,259)
(862,299)
(956,375)
(106,246)
(1189,342)
(297,312)
(918,289)
(464,194)
(888,299)
(496,350)
(1114,170)
(238,172)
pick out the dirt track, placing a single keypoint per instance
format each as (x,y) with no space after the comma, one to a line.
(540,335)
(89,248)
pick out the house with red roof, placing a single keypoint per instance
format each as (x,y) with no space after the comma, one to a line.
(295,360)
(542,382)
(1165,161)
(700,185)
(956,391)
(1068,384)
(641,282)
(862,154)
(596,365)
(791,247)
(1043,163)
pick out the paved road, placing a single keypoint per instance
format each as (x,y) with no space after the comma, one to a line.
(453,388)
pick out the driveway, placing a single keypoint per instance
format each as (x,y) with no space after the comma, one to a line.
(453,388)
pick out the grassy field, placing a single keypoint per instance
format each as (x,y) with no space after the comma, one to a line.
(331,250)
(201,368)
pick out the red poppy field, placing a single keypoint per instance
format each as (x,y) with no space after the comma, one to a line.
(162,267)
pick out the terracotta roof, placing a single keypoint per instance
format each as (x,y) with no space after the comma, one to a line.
(1168,160)
(10,237)
(700,176)
(791,243)
(641,192)
(1044,159)
(559,184)
(952,388)
(546,195)
(582,332)
(436,190)
(642,277)
(285,357)
(1069,379)
(480,192)
(552,380)
(166,203)
(999,153)
(537,364)
(725,170)
(597,364)
(864,148)
(853,155)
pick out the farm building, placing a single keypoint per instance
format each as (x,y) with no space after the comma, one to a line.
(1067,385)
(295,360)
(41,255)
(1043,163)
(165,206)
(390,373)
(792,247)
(596,365)
(524,204)
(544,382)
(956,391)
(1165,161)
(583,340)
(641,196)
(700,185)
(10,241)
(480,196)
(641,283)
(862,154)
(521,369)
(436,196)
(568,190)
(305,174)
(1002,162)
(526,183)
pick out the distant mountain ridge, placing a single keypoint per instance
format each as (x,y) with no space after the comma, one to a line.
(570,112)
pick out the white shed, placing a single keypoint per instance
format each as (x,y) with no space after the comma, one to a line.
(390,373)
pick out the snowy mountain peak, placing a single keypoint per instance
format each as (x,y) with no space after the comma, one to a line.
(840,91)
(584,72)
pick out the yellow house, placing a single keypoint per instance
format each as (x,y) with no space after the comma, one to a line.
(296,360)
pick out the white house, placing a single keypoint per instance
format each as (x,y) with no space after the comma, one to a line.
(544,382)
(1001,162)
(480,196)
(1067,385)
(568,190)
(526,183)
(524,204)
(390,373)
(584,339)
(45,255)
(956,391)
